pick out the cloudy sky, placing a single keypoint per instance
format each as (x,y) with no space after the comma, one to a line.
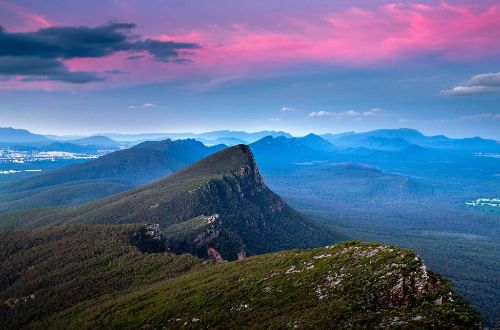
(75,67)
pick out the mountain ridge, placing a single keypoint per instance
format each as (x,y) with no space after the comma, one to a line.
(122,170)
(225,186)
(19,136)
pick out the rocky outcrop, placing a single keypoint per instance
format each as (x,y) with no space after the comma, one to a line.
(203,236)
(214,255)
(242,254)
(149,239)
(410,287)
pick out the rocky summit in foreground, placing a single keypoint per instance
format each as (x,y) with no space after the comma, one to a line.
(350,285)
(88,276)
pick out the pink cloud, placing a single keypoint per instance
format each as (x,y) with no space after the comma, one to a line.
(354,37)
(362,37)
(17,18)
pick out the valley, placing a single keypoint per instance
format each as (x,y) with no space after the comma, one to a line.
(457,241)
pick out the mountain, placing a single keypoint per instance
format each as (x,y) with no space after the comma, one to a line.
(281,150)
(332,137)
(241,135)
(100,141)
(104,277)
(230,141)
(386,140)
(390,154)
(316,142)
(397,139)
(376,143)
(218,207)
(69,147)
(246,137)
(20,136)
(63,138)
(108,174)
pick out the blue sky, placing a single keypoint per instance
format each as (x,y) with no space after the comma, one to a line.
(186,66)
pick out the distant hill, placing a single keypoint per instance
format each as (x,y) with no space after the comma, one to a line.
(339,185)
(118,171)
(332,137)
(281,150)
(316,142)
(374,142)
(227,141)
(20,136)
(69,147)
(220,202)
(397,139)
(245,137)
(110,277)
(100,141)
(388,153)
(241,135)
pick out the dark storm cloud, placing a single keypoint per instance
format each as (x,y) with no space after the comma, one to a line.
(164,51)
(80,42)
(34,69)
(38,55)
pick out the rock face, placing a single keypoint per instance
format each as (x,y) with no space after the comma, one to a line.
(248,211)
(247,217)
(214,255)
(205,237)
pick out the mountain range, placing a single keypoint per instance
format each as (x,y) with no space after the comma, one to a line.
(135,260)
(381,139)
(162,228)
(210,137)
(22,139)
(387,150)
(106,175)
(397,139)
(221,200)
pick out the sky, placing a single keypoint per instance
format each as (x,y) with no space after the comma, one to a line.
(95,66)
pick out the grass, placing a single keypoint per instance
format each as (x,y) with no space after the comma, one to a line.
(346,285)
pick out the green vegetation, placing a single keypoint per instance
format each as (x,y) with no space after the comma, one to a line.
(459,242)
(226,183)
(91,276)
(320,288)
(99,266)
(49,270)
(110,174)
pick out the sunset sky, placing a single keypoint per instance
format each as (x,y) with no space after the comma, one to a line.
(79,67)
